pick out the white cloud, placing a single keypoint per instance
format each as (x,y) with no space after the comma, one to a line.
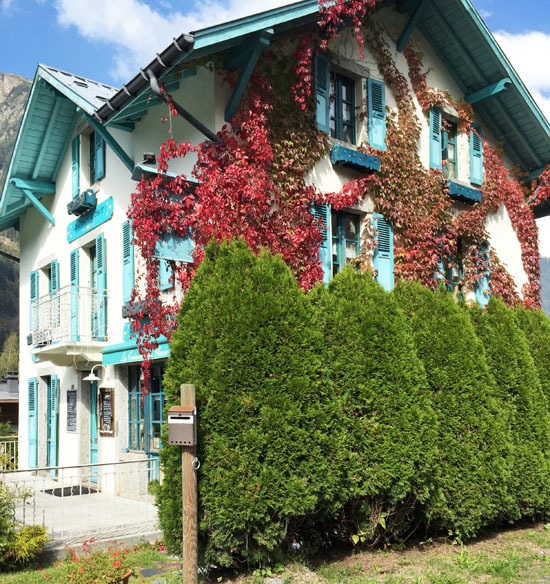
(485,13)
(138,32)
(524,50)
(5,5)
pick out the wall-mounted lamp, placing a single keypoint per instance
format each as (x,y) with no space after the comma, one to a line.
(93,377)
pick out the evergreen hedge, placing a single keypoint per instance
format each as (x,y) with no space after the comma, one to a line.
(536,328)
(351,413)
(471,436)
(246,340)
(523,407)
(375,374)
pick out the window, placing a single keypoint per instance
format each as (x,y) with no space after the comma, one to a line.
(97,157)
(345,239)
(335,94)
(342,108)
(145,416)
(448,148)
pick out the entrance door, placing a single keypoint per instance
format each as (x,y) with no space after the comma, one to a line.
(94,452)
(51,423)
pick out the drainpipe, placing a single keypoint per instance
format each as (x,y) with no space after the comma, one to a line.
(153,82)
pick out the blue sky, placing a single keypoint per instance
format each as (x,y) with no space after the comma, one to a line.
(108,40)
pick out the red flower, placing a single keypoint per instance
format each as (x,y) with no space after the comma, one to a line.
(116,564)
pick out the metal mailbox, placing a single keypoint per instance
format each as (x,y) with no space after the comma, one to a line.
(182,425)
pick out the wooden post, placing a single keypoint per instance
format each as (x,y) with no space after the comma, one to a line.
(189,498)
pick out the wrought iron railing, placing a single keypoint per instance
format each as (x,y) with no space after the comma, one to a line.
(87,499)
(72,313)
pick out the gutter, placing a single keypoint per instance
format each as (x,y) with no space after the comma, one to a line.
(181,111)
(180,46)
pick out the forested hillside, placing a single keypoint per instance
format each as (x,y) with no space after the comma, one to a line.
(13,96)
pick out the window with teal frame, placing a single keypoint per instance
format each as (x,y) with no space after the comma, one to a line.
(342,108)
(448,148)
(145,411)
(345,239)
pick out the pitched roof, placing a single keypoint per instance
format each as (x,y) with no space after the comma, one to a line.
(44,135)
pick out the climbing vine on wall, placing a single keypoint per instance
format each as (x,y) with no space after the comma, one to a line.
(251,184)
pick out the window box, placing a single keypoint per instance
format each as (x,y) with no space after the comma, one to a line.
(463,193)
(342,156)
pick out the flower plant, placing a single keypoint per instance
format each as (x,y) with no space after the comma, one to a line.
(100,567)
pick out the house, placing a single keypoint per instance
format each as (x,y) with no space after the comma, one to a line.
(83,146)
(9,399)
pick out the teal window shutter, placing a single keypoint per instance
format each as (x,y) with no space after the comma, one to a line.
(99,157)
(101,292)
(482,283)
(74,294)
(75,151)
(33,422)
(322,92)
(165,275)
(383,253)
(128,277)
(476,155)
(54,277)
(376,92)
(322,213)
(34,301)
(53,405)
(435,138)
(54,293)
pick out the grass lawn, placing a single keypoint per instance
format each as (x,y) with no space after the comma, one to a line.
(516,555)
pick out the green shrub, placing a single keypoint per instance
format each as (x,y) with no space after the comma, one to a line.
(386,416)
(536,328)
(245,339)
(523,406)
(471,436)
(18,548)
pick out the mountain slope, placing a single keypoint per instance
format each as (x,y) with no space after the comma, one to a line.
(13,96)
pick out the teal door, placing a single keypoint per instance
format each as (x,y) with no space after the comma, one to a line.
(51,423)
(33,422)
(94,453)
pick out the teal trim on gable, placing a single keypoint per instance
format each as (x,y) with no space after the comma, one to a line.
(250,52)
(488,91)
(411,25)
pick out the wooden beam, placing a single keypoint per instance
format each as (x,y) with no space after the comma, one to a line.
(37,186)
(488,91)
(259,43)
(45,140)
(411,25)
(39,206)
(111,142)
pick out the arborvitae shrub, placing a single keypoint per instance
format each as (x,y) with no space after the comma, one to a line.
(389,437)
(246,340)
(471,437)
(523,405)
(536,328)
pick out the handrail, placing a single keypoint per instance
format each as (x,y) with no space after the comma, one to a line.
(92,464)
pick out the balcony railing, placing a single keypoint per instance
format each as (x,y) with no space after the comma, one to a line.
(70,314)
(8,452)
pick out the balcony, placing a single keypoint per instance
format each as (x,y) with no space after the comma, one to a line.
(70,325)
